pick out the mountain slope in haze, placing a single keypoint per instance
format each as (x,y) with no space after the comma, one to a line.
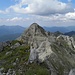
(9,37)
(5,30)
(70,33)
(60,29)
(71,28)
(10,32)
(54,29)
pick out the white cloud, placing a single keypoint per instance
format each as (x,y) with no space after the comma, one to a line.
(50,11)
(40,7)
(54,20)
(70,15)
(15,19)
(2,12)
(44,7)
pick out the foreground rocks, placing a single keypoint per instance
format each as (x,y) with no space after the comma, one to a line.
(4,44)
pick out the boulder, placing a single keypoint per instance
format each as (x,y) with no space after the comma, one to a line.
(1,47)
(15,46)
(4,44)
(72,72)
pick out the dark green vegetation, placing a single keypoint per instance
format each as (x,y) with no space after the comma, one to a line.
(17,60)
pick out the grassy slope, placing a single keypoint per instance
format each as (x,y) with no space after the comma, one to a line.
(22,68)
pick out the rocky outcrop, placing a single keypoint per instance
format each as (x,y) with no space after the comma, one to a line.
(4,44)
(72,72)
(10,72)
(70,41)
(32,34)
(40,53)
(15,45)
(58,52)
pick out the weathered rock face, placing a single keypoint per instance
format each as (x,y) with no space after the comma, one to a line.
(72,72)
(33,33)
(57,52)
(69,40)
(15,46)
(40,53)
(4,44)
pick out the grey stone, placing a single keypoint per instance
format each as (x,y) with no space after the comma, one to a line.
(8,53)
(3,44)
(15,46)
(11,72)
(72,72)
(14,63)
(1,69)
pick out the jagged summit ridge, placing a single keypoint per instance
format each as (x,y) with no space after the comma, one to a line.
(36,29)
(34,32)
(34,24)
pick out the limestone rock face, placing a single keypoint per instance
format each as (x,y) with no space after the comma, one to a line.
(58,52)
(70,41)
(4,44)
(72,72)
(44,50)
(41,53)
(33,33)
(15,46)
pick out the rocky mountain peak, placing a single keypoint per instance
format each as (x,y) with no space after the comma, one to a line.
(36,29)
(34,32)
(34,25)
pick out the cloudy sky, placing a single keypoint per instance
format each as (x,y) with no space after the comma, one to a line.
(44,12)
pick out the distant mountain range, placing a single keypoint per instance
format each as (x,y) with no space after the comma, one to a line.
(70,33)
(10,32)
(6,30)
(13,32)
(9,37)
(60,29)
